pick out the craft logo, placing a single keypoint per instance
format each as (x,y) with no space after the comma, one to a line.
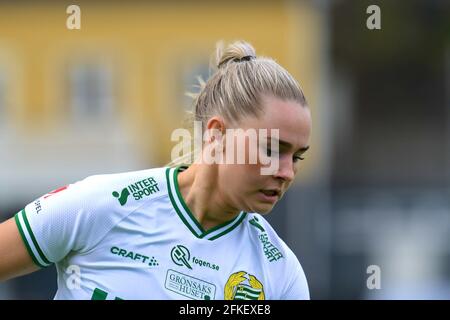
(134,256)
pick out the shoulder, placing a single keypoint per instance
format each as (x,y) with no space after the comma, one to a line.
(110,196)
(137,178)
(278,254)
(127,189)
(275,247)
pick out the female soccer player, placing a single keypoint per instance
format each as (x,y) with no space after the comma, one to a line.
(184,232)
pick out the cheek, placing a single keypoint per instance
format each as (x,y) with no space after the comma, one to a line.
(233,175)
(241,149)
(297,167)
(245,178)
(252,176)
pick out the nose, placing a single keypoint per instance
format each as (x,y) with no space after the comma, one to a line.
(285,170)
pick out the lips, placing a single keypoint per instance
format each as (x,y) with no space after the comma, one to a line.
(271,192)
(269,195)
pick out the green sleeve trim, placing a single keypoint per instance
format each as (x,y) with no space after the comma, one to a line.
(24,239)
(36,245)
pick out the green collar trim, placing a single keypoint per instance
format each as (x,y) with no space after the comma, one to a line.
(186,215)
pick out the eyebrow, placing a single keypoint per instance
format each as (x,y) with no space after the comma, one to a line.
(288,145)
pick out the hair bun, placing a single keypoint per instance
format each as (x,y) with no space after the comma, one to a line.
(237,51)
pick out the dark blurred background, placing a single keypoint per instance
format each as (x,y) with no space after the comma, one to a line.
(375,186)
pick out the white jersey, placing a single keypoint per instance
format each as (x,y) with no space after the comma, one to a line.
(132,236)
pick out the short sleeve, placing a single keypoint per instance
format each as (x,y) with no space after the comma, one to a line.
(64,220)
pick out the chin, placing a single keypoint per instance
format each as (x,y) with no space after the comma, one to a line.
(262,209)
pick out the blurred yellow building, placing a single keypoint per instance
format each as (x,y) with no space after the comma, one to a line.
(106,98)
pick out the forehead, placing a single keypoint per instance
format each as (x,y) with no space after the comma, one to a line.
(291,118)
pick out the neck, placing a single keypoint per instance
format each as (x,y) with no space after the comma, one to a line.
(199,189)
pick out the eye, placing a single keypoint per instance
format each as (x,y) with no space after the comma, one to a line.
(272,153)
(298,158)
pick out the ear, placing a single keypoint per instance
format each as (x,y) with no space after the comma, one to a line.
(216,122)
(217,127)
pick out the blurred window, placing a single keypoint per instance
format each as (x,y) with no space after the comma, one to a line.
(91,92)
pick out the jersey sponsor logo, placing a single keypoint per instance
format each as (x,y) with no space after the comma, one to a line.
(243,286)
(37,206)
(271,252)
(181,256)
(255,222)
(188,286)
(122,197)
(152,262)
(37,203)
(138,190)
